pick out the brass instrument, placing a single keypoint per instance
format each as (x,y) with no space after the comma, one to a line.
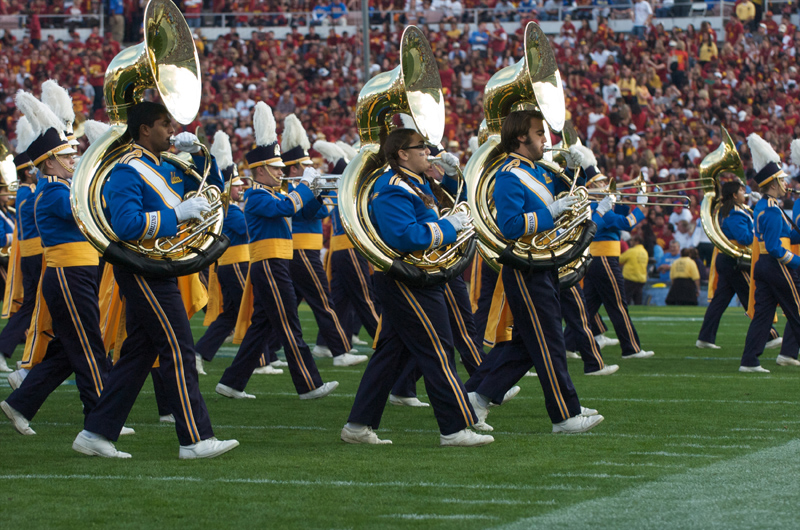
(413,88)
(8,170)
(329,182)
(167,61)
(721,160)
(655,197)
(532,83)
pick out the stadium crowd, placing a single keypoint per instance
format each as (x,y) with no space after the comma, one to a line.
(649,102)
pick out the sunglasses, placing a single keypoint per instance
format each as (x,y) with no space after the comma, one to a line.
(420,146)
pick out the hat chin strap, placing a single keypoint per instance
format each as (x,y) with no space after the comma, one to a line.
(62,164)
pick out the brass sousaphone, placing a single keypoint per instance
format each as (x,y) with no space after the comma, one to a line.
(532,83)
(167,62)
(413,88)
(721,160)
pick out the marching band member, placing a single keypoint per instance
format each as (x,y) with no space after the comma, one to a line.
(524,195)
(774,266)
(144,201)
(737,225)
(273,306)
(30,251)
(573,300)
(308,275)
(350,279)
(604,285)
(414,322)
(69,282)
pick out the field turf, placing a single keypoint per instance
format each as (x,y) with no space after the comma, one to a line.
(688,442)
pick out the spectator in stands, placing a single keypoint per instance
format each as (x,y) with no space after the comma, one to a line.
(479,39)
(685,279)
(338,11)
(685,236)
(746,13)
(634,269)
(708,50)
(642,15)
(679,213)
(664,264)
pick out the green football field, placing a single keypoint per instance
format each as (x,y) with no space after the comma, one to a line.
(688,442)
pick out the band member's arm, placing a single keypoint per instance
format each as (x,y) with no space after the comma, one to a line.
(514,222)
(235,222)
(623,222)
(131,222)
(771,223)
(739,227)
(214,176)
(394,213)
(266,205)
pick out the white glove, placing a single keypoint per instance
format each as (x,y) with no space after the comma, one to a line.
(574,158)
(755,196)
(459,220)
(641,199)
(309,176)
(186,142)
(562,205)
(605,205)
(449,162)
(193,208)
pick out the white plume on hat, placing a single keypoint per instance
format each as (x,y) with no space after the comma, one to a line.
(294,134)
(589,159)
(473,144)
(330,151)
(39,115)
(796,152)
(221,150)
(58,99)
(762,152)
(264,125)
(95,129)
(349,151)
(25,134)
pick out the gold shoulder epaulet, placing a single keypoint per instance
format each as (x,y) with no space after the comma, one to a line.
(511,164)
(131,155)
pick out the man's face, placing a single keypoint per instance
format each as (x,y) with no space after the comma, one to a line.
(159,134)
(534,141)
(674,248)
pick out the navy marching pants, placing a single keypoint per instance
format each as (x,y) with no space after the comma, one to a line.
(157,328)
(573,311)
(537,341)
(71,296)
(776,284)
(14,332)
(604,286)
(275,308)
(311,284)
(351,288)
(731,281)
(464,338)
(488,283)
(231,281)
(414,326)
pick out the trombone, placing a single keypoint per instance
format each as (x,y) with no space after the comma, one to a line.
(329,182)
(656,197)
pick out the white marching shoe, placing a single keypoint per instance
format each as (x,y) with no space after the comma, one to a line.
(96,446)
(783,360)
(774,343)
(573,355)
(322,391)
(4,364)
(363,434)
(412,401)
(225,390)
(20,422)
(753,369)
(639,355)
(348,359)
(199,363)
(465,438)
(321,351)
(708,345)
(126,431)
(278,364)
(267,370)
(585,411)
(167,418)
(577,424)
(16,378)
(355,341)
(530,374)
(208,448)
(511,394)
(603,341)
(606,370)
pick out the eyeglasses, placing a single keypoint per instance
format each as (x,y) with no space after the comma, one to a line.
(420,146)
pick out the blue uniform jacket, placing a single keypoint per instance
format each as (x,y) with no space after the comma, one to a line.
(54,213)
(307,228)
(8,227)
(770,228)
(234,226)
(619,219)
(142,192)
(267,213)
(738,226)
(401,217)
(26,220)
